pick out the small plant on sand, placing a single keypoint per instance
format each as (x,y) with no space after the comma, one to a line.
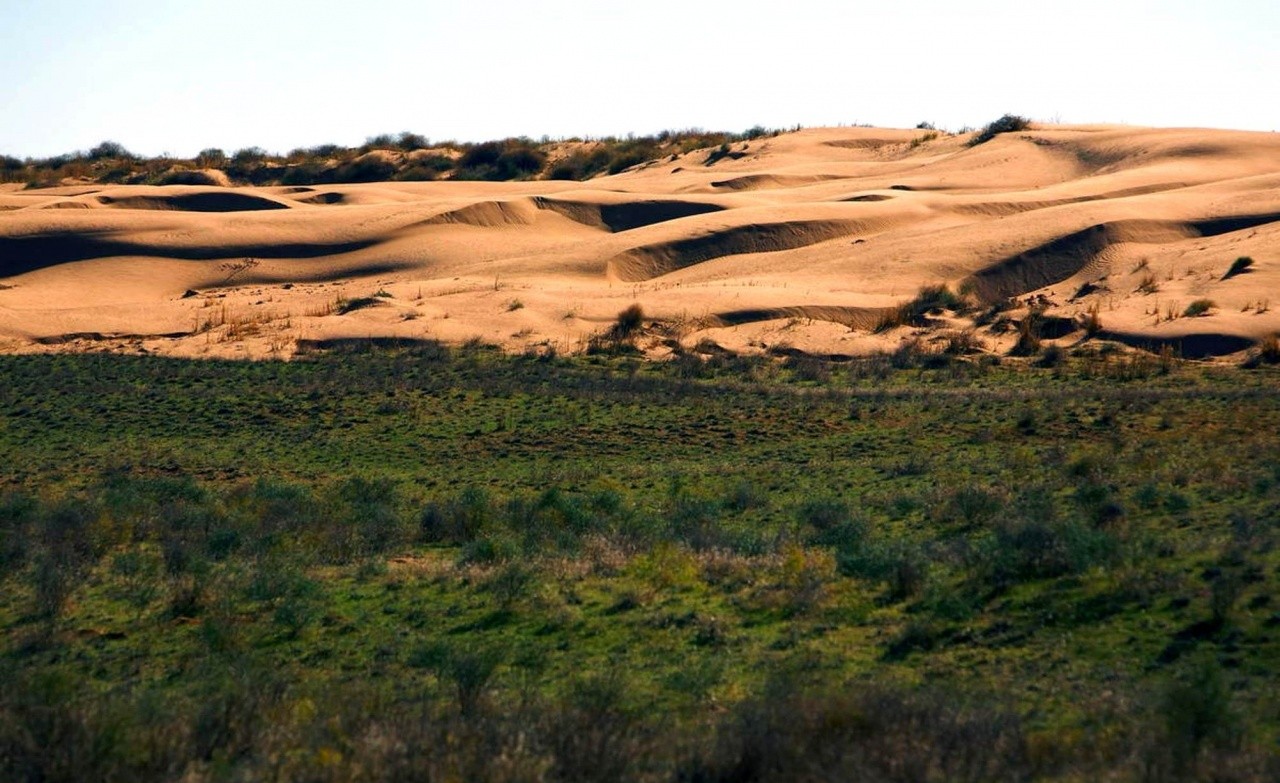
(1148,284)
(351,305)
(235,268)
(924,138)
(1092,322)
(513,305)
(1028,343)
(1198,308)
(963,342)
(628,322)
(1009,123)
(1266,352)
(1238,267)
(931,299)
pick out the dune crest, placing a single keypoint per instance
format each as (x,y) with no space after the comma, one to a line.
(811,241)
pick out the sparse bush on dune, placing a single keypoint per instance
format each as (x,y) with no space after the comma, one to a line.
(501,160)
(425,167)
(211,158)
(406,156)
(629,320)
(1238,267)
(931,300)
(1266,352)
(12,169)
(1198,307)
(211,177)
(110,149)
(370,167)
(1009,123)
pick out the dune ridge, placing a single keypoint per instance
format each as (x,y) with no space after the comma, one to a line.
(808,240)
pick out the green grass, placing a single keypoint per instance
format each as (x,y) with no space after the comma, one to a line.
(407,541)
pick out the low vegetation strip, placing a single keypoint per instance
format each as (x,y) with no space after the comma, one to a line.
(402,157)
(432,563)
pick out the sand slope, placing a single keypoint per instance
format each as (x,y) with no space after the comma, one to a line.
(800,241)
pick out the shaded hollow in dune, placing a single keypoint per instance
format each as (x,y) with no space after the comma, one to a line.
(1188,346)
(222,201)
(853,317)
(649,261)
(627,215)
(1066,256)
(22,254)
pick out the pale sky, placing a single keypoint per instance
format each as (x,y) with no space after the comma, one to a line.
(177,76)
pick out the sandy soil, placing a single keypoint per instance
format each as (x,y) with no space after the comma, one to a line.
(802,241)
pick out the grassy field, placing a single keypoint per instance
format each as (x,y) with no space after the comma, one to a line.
(448,564)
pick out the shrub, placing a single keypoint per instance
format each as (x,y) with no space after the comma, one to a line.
(211,158)
(408,142)
(469,667)
(366,168)
(1092,322)
(1028,343)
(110,149)
(930,299)
(963,343)
(1198,308)
(1239,267)
(501,160)
(359,303)
(65,552)
(457,521)
(1053,356)
(628,322)
(362,518)
(1041,548)
(17,514)
(865,734)
(1009,123)
(1199,713)
(1266,352)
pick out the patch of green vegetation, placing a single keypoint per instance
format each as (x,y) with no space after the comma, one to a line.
(1238,267)
(431,563)
(404,157)
(1009,123)
(1198,307)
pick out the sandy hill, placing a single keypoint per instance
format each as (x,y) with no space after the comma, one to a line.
(806,240)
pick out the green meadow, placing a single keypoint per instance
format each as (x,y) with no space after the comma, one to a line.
(433,563)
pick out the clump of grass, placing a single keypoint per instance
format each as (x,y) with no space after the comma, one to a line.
(963,342)
(1267,352)
(628,322)
(1009,123)
(1148,284)
(1238,267)
(1028,343)
(1198,308)
(513,305)
(1092,322)
(924,138)
(351,305)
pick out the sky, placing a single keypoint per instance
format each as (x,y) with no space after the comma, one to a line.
(178,76)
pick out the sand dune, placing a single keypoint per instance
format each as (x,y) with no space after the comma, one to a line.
(803,241)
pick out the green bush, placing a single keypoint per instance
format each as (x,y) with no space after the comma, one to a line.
(930,300)
(1239,266)
(1009,123)
(1198,307)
